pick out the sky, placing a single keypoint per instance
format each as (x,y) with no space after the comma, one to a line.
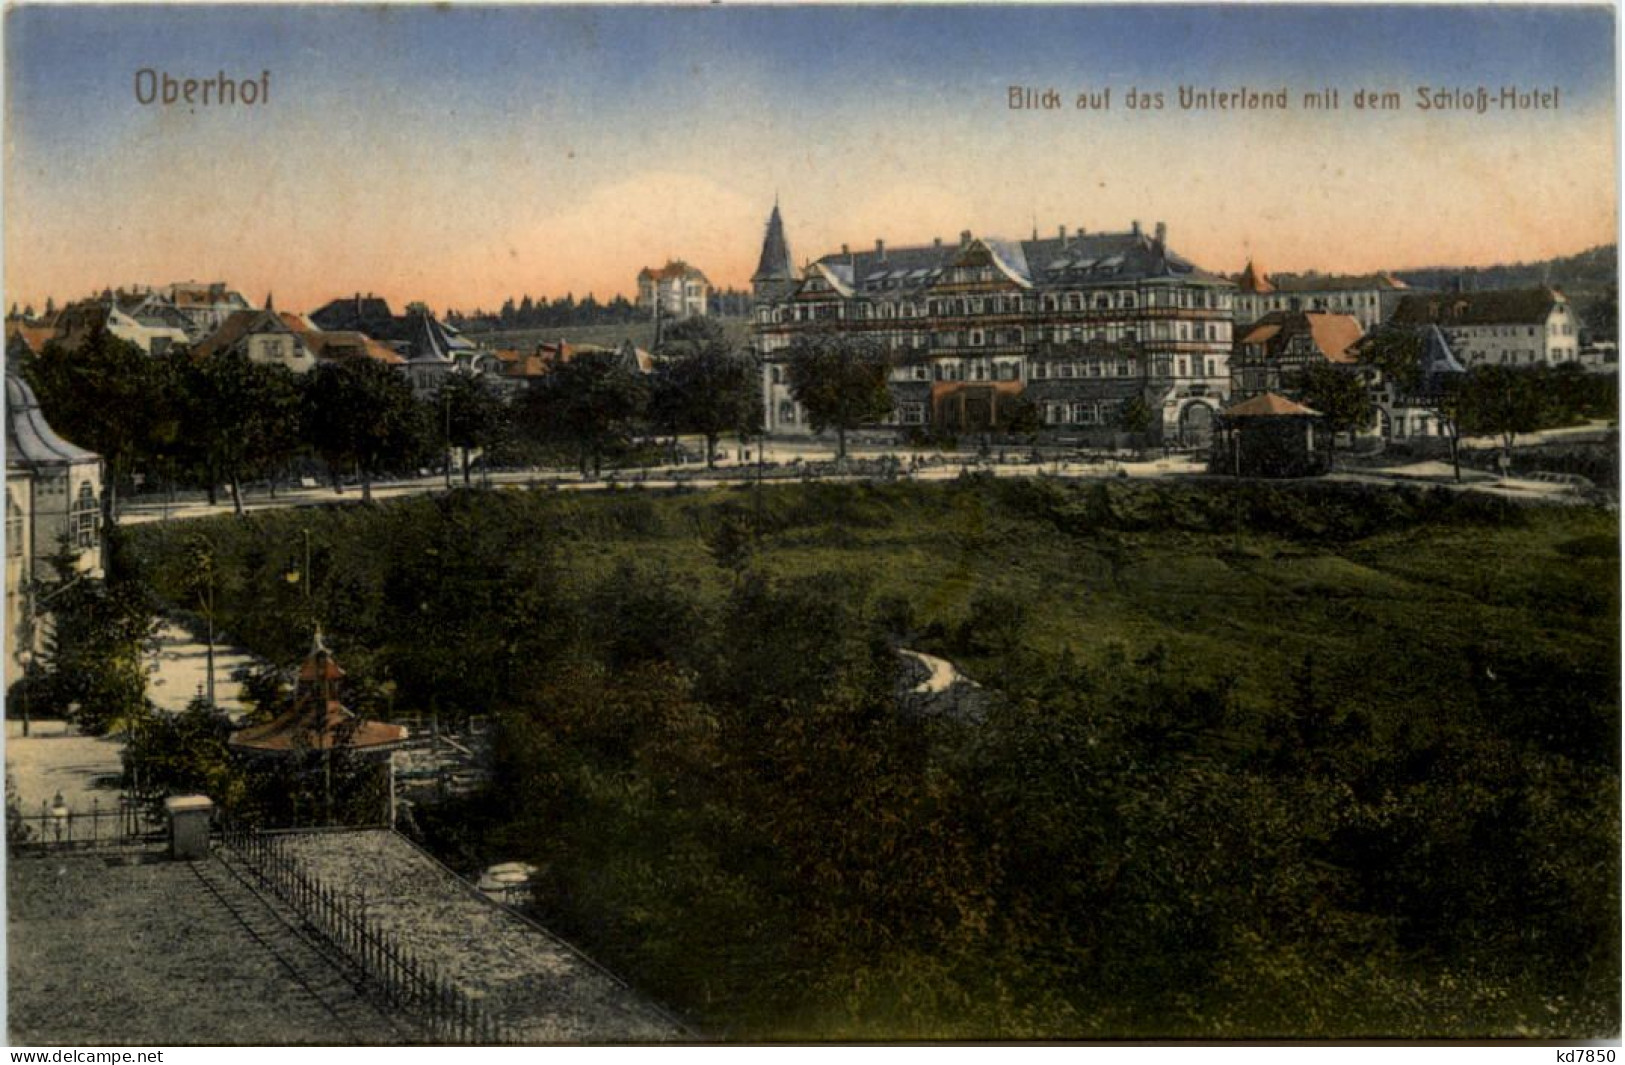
(460,155)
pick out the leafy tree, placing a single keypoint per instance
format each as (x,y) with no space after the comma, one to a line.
(1396,353)
(590,403)
(706,387)
(1019,415)
(243,416)
(1505,401)
(1136,415)
(1338,394)
(92,667)
(474,415)
(362,413)
(840,380)
(102,396)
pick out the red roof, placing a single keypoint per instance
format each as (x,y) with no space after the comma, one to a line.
(307,728)
(1270,405)
(317,721)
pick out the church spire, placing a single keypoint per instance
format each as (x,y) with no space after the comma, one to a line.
(775,264)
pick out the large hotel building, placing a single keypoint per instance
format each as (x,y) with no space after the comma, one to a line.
(1078,324)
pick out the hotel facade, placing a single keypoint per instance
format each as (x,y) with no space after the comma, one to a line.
(984,333)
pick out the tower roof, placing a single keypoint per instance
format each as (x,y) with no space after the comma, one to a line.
(775,264)
(1254,280)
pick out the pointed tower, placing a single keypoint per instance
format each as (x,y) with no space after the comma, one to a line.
(1254,280)
(775,268)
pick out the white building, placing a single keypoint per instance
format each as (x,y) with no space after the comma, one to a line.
(1369,298)
(677,289)
(1510,327)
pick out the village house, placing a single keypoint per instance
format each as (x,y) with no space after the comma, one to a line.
(129,317)
(1274,351)
(206,305)
(1508,327)
(1078,324)
(676,290)
(265,337)
(1405,412)
(1369,298)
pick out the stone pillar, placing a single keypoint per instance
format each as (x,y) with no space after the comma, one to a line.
(189,817)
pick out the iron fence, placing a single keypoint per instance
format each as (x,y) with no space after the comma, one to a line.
(126,821)
(410,987)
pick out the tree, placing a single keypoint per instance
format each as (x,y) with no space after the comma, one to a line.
(362,413)
(1136,415)
(243,417)
(841,382)
(589,403)
(705,386)
(92,667)
(1397,354)
(102,396)
(1506,401)
(474,415)
(1338,394)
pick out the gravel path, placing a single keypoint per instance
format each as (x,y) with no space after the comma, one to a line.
(544,991)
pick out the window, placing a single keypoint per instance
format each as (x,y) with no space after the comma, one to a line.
(787,413)
(1084,413)
(913,413)
(1040,371)
(82,520)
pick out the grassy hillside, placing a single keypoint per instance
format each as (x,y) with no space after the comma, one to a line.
(1258,760)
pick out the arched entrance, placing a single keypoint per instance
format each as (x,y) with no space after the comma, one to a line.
(1196,425)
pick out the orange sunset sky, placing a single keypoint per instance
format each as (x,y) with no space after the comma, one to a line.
(460,156)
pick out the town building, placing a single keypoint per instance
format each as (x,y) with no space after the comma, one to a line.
(1274,351)
(1507,327)
(676,290)
(1413,411)
(265,337)
(1078,325)
(206,305)
(367,314)
(131,318)
(1369,298)
(53,505)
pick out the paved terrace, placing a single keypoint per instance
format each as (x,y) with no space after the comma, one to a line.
(126,947)
(542,989)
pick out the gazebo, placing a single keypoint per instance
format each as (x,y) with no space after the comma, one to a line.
(1270,436)
(318,723)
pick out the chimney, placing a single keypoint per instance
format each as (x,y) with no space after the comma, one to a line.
(1134,227)
(936,242)
(880,249)
(845,250)
(1162,234)
(964,238)
(1063,234)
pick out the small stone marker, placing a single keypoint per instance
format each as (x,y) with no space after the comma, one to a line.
(189,826)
